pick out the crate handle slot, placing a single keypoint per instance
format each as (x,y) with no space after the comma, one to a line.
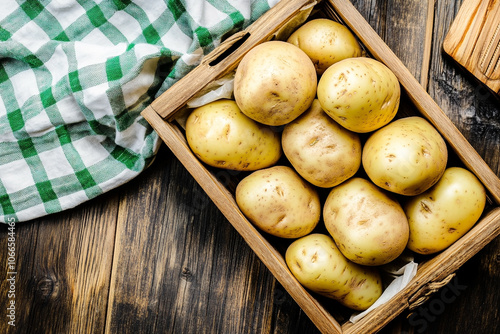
(226,48)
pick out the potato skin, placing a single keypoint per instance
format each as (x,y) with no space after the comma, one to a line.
(274,83)
(220,135)
(361,94)
(318,265)
(325,42)
(368,225)
(406,157)
(445,212)
(321,151)
(279,202)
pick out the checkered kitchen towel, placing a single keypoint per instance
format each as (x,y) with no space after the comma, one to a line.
(74,77)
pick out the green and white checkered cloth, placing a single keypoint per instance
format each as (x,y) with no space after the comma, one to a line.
(74,77)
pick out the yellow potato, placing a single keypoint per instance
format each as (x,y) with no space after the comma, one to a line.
(445,212)
(279,202)
(321,151)
(368,225)
(318,265)
(361,94)
(325,42)
(220,135)
(274,83)
(406,157)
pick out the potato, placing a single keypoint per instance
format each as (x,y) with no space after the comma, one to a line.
(220,135)
(274,83)
(318,265)
(406,157)
(321,151)
(445,212)
(361,94)
(368,225)
(278,201)
(325,42)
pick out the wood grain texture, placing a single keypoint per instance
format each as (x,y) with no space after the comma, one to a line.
(469,104)
(63,268)
(474,40)
(158,256)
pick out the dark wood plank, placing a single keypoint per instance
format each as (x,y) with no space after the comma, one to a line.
(25,239)
(402,25)
(63,265)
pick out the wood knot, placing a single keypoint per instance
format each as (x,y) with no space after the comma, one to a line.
(48,288)
(186,274)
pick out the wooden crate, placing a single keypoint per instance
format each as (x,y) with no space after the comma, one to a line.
(433,271)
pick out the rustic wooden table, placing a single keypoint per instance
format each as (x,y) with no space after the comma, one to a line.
(156,256)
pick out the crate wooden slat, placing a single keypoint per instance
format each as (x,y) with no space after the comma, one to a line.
(431,274)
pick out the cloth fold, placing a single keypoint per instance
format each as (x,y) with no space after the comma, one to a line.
(74,78)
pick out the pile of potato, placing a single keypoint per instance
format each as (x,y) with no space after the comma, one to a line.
(310,98)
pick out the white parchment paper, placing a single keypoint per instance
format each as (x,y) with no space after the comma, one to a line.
(403,277)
